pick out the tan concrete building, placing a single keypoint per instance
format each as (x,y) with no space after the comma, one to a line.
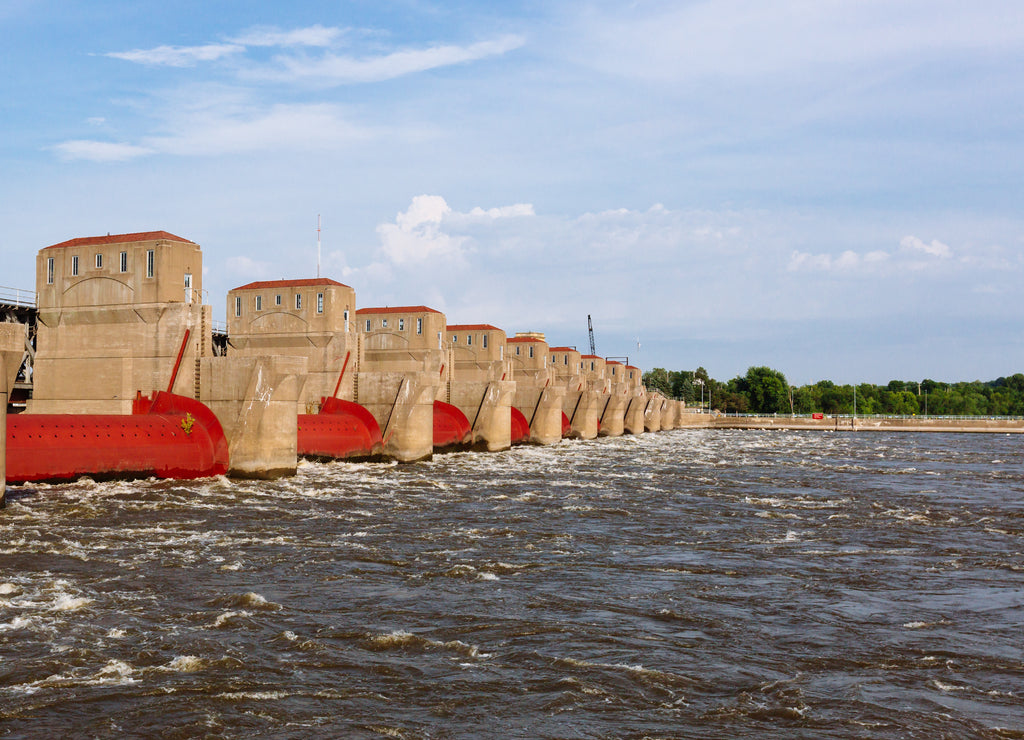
(636,406)
(538,394)
(115,313)
(402,373)
(480,382)
(311,318)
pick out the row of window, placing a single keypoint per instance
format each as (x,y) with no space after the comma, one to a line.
(278,302)
(401,325)
(469,340)
(150,265)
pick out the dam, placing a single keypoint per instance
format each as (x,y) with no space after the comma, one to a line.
(118,326)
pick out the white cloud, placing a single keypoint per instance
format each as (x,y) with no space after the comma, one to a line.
(242,267)
(909,256)
(269,36)
(513,211)
(100,151)
(178,56)
(933,249)
(209,131)
(335,69)
(417,236)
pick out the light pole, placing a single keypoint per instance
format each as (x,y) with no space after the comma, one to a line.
(700,382)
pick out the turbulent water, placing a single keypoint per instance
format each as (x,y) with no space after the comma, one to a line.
(674,585)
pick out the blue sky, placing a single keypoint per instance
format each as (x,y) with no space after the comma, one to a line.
(829,188)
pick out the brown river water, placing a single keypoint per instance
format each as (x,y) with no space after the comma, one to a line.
(687,584)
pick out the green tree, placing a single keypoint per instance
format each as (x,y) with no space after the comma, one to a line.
(766,389)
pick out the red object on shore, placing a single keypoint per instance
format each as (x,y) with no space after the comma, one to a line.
(520,427)
(343,430)
(566,426)
(451,427)
(817,416)
(166,436)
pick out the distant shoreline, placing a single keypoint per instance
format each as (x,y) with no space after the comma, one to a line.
(980,425)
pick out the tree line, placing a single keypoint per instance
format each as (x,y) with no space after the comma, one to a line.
(765,391)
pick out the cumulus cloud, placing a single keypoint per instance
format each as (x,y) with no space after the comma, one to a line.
(933,249)
(909,256)
(417,236)
(519,209)
(177,56)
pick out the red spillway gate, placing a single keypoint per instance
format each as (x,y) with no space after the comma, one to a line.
(566,425)
(343,430)
(520,427)
(451,427)
(166,436)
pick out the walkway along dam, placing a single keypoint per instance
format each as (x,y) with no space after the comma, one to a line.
(115,370)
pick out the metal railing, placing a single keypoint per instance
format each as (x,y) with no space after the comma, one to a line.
(17,297)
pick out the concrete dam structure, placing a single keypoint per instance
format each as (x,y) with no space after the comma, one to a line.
(304,372)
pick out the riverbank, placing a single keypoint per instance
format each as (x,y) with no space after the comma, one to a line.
(859,423)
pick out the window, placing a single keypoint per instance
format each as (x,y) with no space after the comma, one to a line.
(591,364)
(531,351)
(188,288)
(277,300)
(74,265)
(259,303)
(383,323)
(501,351)
(150,260)
(485,341)
(49,271)
(517,350)
(440,341)
(419,326)
(298,301)
(346,319)
(565,359)
(319,302)
(455,338)
(99,261)
(369,322)
(238,305)
(124,262)
(401,325)
(469,340)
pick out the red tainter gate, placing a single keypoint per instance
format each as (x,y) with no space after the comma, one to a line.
(343,430)
(451,428)
(520,427)
(166,436)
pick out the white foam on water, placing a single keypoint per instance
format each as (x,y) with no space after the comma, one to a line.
(116,634)
(9,588)
(225,619)
(185,664)
(67,603)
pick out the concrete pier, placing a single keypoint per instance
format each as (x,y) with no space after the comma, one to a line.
(539,396)
(479,383)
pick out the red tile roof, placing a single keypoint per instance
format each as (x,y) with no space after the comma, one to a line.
(564,349)
(632,367)
(142,236)
(526,339)
(472,327)
(398,309)
(612,362)
(591,357)
(303,283)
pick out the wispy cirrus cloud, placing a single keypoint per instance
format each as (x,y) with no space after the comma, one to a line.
(270,36)
(343,69)
(211,132)
(177,56)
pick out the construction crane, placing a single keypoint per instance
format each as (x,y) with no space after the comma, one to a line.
(590,328)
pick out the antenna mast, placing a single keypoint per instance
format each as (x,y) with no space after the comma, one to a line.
(590,328)
(318,245)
